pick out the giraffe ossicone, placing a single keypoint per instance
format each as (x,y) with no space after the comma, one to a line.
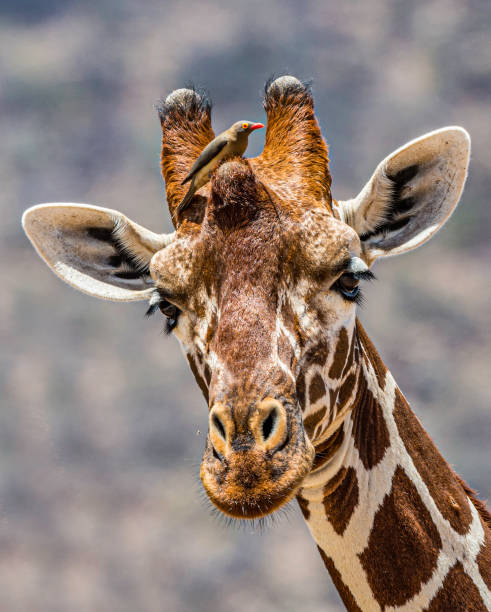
(260,283)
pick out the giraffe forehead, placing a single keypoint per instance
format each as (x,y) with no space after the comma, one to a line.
(325,240)
(174,267)
(263,255)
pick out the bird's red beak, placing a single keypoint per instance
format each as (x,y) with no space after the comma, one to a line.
(256,126)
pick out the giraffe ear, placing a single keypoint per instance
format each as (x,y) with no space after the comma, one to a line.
(96,250)
(411,194)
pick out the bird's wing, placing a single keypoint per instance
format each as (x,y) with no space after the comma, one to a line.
(211,150)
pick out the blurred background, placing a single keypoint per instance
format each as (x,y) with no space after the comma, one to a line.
(101,423)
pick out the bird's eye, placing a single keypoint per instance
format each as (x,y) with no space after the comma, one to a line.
(349,285)
(245,126)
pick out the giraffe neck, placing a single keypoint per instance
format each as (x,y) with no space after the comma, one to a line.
(395,526)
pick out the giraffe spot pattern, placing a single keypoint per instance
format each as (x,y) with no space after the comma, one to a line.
(317,355)
(301,390)
(341,498)
(403,546)
(325,450)
(373,356)
(457,593)
(333,396)
(349,360)
(484,558)
(194,369)
(448,494)
(312,420)
(345,390)
(340,355)
(344,592)
(370,433)
(317,388)
(304,506)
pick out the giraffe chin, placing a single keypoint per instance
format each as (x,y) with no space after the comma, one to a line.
(251,484)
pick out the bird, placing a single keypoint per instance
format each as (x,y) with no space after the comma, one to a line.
(229,143)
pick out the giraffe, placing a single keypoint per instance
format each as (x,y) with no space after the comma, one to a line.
(259,282)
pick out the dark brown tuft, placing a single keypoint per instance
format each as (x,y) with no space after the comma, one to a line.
(199,103)
(286,94)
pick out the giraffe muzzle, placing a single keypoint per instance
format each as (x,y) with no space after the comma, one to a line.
(255,459)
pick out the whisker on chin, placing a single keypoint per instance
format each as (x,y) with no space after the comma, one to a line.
(260,525)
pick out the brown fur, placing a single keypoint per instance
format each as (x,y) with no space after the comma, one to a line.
(186,130)
(325,450)
(479,504)
(251,283)
(457,594)
(243,258)
(403,546)
(293,134)
(317,354)
(317,388)
(484,558)
(345,390)
(341,498)
(311,421)
(259,230)
(340,355)
(372,354)
(370,433)
(300,390)
(304,506)
(447,492)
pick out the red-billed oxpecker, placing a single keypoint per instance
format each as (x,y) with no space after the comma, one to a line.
(231,143)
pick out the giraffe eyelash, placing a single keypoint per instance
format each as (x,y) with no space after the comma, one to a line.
(157,301)
(357,298)
(367,275)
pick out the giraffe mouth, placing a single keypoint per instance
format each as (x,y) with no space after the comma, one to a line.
(251,483)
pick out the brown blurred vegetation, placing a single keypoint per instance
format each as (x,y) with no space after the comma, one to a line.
(100,506)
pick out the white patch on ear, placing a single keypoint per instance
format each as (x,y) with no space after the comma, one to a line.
(411,194)
(96,250)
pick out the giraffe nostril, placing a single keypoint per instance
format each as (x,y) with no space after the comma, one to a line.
(219,427)
(215,453)
(269,423)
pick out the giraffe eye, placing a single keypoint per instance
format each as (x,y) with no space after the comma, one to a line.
(168,309)
(171,312)
(349,285)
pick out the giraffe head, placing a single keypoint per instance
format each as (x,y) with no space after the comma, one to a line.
(260,279)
